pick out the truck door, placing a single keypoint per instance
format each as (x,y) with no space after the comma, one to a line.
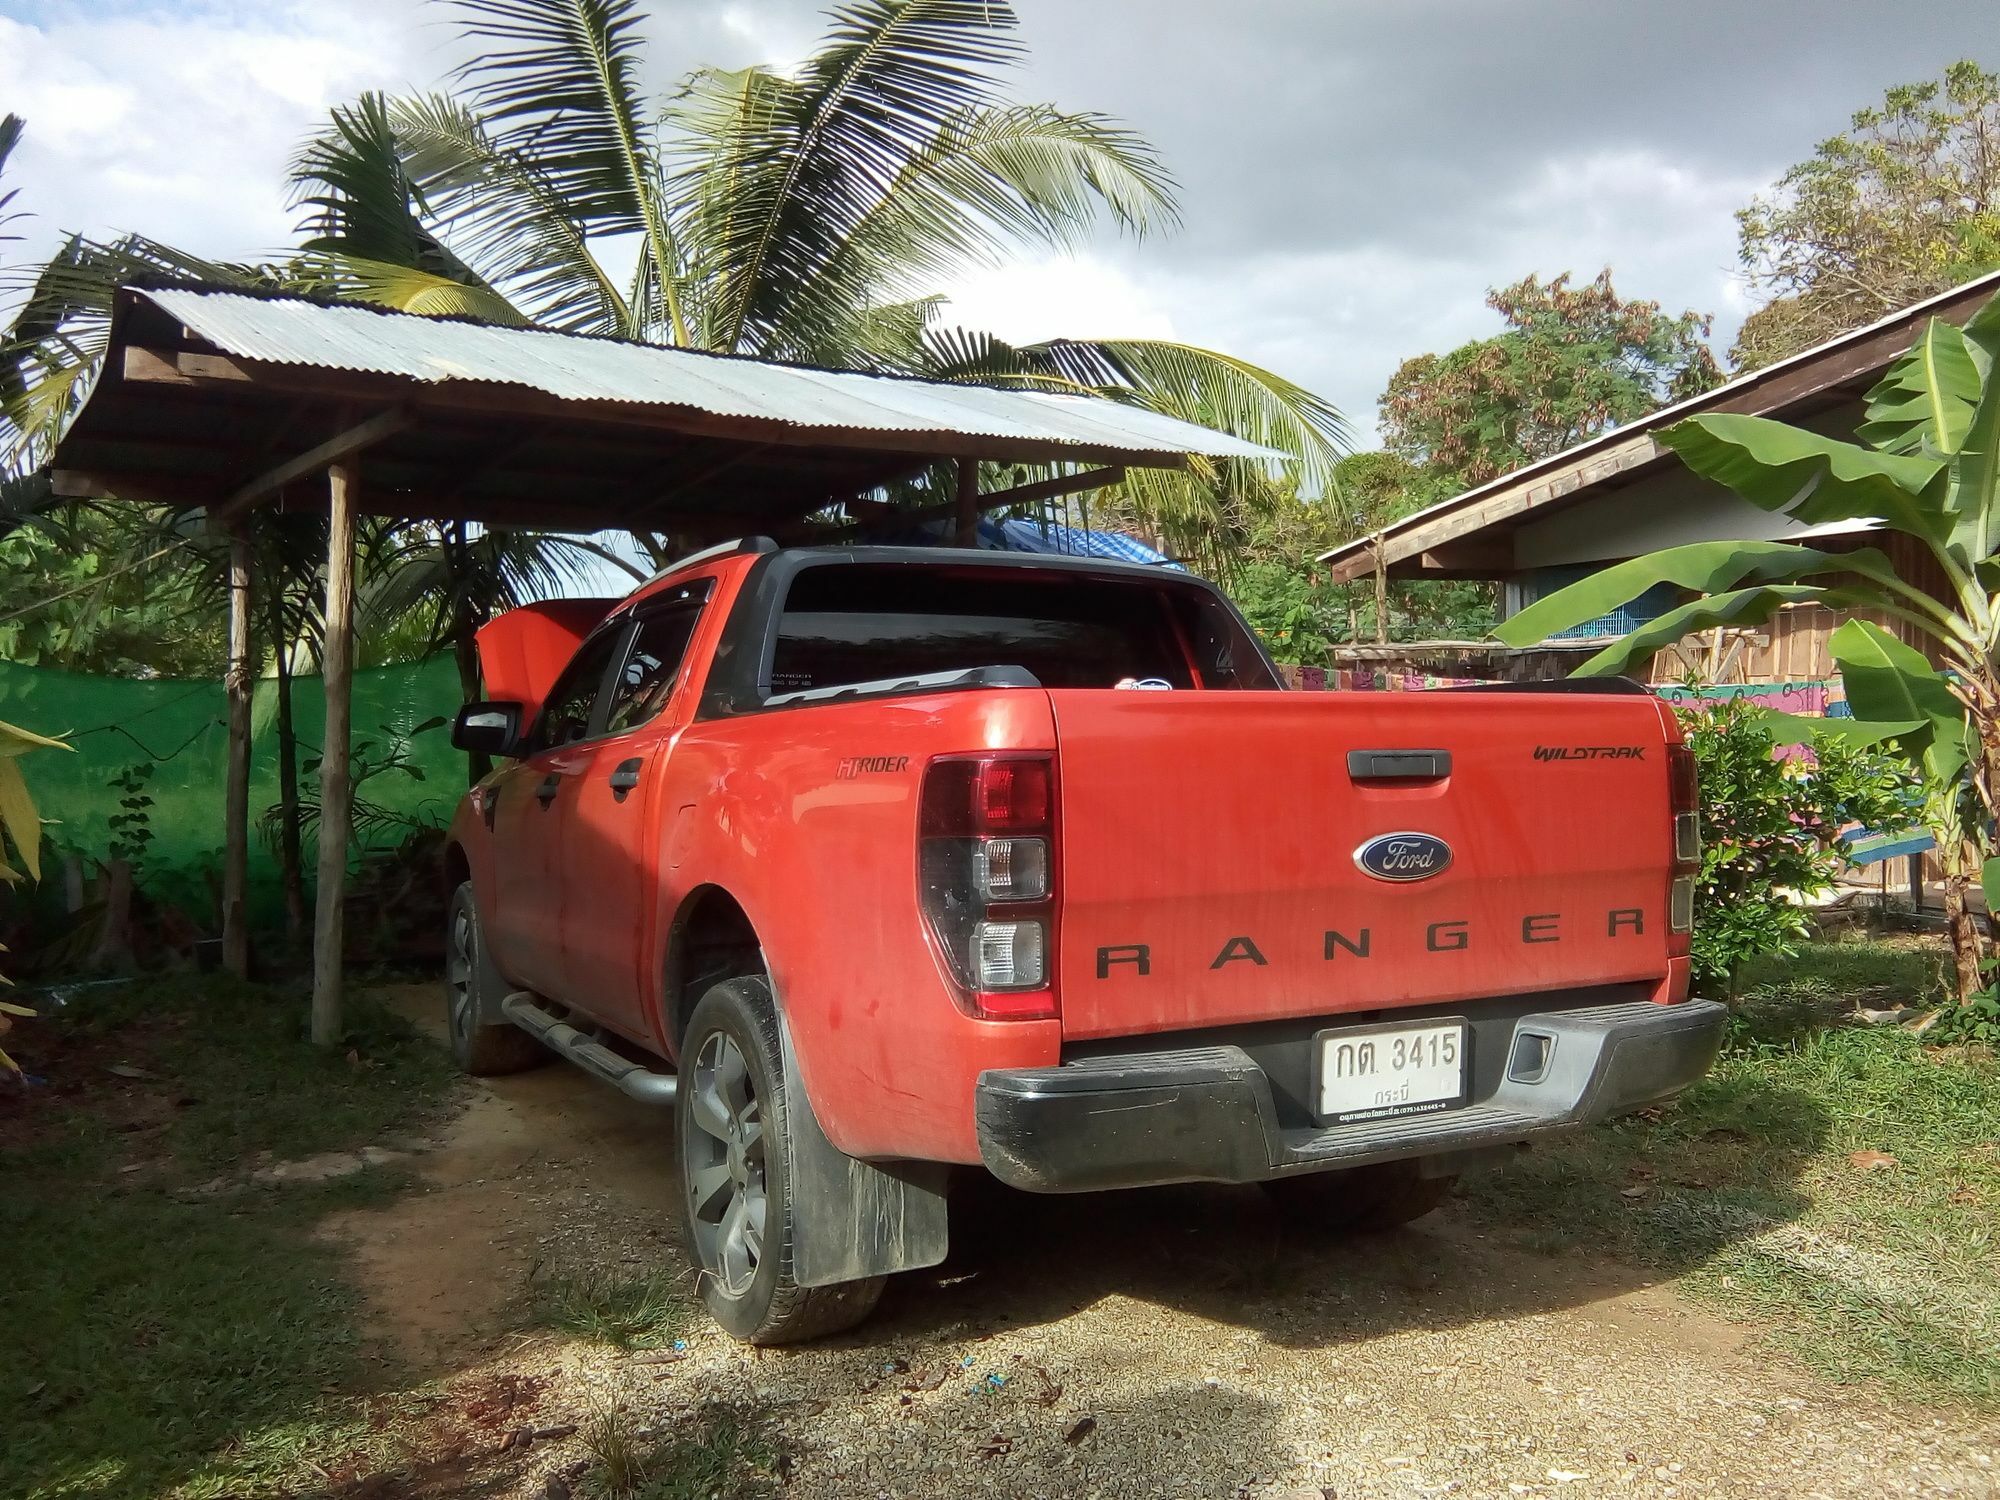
(613,832)
(533,799)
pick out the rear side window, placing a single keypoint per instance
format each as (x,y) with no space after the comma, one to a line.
(646,681)
(851,624)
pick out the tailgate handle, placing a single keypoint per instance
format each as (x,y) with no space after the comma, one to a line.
(1398,765)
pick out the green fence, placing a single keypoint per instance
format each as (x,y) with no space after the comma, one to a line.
(178,728)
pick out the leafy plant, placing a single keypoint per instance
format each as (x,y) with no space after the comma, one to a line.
(1772,827)
(20,831)
(1573,361)
(1903,204)
(132,825)
(1928,467)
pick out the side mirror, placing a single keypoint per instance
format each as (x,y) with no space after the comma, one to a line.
(488,728)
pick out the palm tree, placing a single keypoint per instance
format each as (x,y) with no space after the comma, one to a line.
(454,577)
(806,216)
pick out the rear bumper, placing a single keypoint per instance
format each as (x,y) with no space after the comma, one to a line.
(1207,1114)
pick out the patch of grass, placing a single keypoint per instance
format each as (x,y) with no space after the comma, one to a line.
(1749,1187)
(239,1052)
(631,1312)
(1849,969)
(164,1342)
(721,1451)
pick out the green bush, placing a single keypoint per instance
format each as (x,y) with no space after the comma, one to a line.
(1772,826)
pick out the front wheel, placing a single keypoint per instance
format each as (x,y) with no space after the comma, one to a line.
(1361,1200)
(731,1120)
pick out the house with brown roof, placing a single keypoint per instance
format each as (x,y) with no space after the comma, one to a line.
(1623,494)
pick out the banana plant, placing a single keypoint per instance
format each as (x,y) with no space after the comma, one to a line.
(20,827)
(1927,465)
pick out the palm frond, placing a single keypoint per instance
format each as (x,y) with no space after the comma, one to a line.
(807,162)
(11,126)
(559,93)
(364,209)
(1212,389)
(51,350)
(508,218)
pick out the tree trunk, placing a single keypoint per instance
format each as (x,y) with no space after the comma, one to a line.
(336,789)
(236,793)
(465,652)
(1966,951)
(291,859)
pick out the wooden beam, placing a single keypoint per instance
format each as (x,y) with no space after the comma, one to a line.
(237,682)
(1399,544)
(147,489)
(341,446)
(965,533)
(336,791)
(154,365)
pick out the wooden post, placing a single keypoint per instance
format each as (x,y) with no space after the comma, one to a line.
(237,683)
(967,534)
(1381,595)
(336,792)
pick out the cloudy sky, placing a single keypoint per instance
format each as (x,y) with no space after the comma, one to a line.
(1355,173)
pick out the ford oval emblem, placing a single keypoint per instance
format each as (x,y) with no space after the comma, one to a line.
(1404,856)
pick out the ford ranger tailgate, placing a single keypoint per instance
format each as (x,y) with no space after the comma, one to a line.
(1212,849)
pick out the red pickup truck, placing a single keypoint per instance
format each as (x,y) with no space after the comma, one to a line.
(870,862)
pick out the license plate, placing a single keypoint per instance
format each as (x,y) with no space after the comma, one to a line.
(1379,1072)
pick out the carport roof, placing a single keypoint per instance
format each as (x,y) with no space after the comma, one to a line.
(225,398)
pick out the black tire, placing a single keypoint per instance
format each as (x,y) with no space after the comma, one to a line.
(471,986)
(730,1126)
(1361,1200)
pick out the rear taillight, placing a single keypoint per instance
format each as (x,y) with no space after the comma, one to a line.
(986,876)
(1683,796)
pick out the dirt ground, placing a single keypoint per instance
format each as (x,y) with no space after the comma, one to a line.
(1172,1343)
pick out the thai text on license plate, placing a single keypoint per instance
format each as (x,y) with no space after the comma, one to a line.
(1376,1073)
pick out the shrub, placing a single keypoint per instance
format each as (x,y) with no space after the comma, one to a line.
(1771,830)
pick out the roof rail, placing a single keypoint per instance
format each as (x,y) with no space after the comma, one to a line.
(754,544)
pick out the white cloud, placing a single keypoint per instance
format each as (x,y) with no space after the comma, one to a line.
(179,125)
(1056,297)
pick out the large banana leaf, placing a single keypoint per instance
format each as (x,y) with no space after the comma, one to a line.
(1704,567)
(21,824)
(1811,478)
(1924,404)
(1889,681)
(1976,495)
(1859,734)
(1738,607)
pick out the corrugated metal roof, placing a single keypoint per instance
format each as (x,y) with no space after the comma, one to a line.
(294,331)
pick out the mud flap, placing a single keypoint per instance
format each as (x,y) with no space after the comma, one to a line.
(852,1218)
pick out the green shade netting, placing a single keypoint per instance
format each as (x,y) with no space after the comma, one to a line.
(179,728)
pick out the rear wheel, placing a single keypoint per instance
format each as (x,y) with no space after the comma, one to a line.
(470,983)
(731,1121)
(1360,1200)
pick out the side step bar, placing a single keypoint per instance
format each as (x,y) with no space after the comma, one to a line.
(631,1079)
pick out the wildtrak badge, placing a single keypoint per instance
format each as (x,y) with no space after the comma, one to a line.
(1590,752)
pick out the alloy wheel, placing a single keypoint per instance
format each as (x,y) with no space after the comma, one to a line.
(459,966)
(726,1187)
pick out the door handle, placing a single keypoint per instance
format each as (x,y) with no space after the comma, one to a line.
(546,792)
(625,778)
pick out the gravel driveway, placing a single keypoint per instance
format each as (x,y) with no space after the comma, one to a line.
(1174,1342)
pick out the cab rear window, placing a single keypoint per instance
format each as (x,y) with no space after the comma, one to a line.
(857,624)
